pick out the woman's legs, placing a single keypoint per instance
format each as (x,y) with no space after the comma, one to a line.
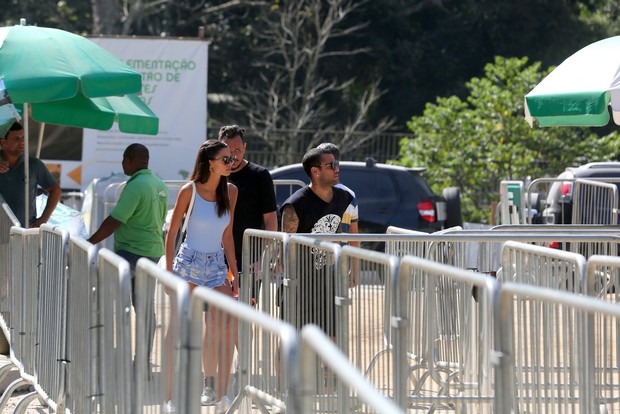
(223,339)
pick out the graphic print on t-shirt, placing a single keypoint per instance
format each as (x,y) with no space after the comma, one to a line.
(326,224)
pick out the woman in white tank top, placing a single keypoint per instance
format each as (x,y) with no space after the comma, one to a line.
(200,260)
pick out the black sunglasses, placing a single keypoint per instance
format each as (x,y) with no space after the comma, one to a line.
(227,159)
(333,165)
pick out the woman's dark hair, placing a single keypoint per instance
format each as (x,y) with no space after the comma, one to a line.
(208,151)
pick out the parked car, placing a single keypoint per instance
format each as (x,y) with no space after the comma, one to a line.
(559,204)
(387,195)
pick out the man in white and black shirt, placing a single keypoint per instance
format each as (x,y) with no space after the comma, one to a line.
(317,208)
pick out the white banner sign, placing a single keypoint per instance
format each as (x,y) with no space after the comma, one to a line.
(174,86)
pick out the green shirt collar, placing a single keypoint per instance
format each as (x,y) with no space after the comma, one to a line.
(140,172)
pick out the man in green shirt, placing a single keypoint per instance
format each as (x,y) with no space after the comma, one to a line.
(138,218)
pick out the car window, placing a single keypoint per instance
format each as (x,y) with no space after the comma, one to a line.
(284,191)
(368,184)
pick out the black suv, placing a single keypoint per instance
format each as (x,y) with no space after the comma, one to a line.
(559,204)
(387,195)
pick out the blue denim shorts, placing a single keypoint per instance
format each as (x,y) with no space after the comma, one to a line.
(199,268)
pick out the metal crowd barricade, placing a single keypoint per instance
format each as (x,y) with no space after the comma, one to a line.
(160,371)
(313,294)
(545,348)
(274,376)
(541,187)
(442,322)
(51,302)
(115,342)
(352,305)
(7,220)
(83,328)
(316,345)
(603,282)
(263,256)
(261,281)
(24,271)
(595,202)
(542,266)
(480,250)
(363,318)
(585,247)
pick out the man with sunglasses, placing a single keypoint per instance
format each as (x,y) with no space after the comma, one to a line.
(256,201)
(317,208)
(12,179)
(350,218)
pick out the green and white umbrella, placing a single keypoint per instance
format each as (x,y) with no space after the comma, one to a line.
(580,90)
(69,80)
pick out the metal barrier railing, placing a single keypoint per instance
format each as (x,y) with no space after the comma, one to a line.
(481,250)
(313,294)
(159,369)
(51,350)
(544,347)
(542,266)
(274,340)
(115,345)
(418,331)
(83,328)
(443,317)
(540,190)
(364,331)
(24,275)
(7,220)
(366,398)
(595,202)
(603,282)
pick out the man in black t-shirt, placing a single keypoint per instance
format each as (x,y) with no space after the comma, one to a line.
(256,202)
(318,208)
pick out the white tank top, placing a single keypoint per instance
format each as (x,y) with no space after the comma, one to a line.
(205,228)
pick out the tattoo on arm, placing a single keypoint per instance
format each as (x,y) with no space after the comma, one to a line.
(290,221)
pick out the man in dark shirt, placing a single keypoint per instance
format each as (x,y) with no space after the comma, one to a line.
(256,202)
(12,167)
(317,208)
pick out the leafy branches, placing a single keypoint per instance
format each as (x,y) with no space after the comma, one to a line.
(477,143)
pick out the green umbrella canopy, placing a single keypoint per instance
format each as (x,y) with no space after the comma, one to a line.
(129,111)
(40,64)
(579,91)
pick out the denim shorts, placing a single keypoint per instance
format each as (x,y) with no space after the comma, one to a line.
(199,268)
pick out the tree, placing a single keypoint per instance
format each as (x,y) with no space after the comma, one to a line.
(293,42)
(477,143)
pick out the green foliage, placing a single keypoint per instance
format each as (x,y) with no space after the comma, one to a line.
(73,16)
(477,143)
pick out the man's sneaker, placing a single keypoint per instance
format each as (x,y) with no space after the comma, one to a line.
(208,396)
(222,405)
(169,407)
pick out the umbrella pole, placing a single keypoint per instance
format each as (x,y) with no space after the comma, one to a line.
(40,144)
(26,223)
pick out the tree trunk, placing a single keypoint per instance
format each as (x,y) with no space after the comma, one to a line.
(106,17)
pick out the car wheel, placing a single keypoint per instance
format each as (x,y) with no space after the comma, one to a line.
(452,195)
